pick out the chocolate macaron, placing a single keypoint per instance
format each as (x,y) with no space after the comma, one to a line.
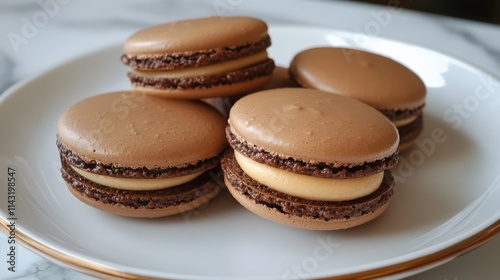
(310,159)
(141,156)
(200,58)
(376,80)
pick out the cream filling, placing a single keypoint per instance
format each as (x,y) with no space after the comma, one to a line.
(403,122)
(213,69)
(133,184)
(309,187)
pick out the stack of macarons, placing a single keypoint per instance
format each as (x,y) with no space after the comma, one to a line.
(153,151)
(310,146)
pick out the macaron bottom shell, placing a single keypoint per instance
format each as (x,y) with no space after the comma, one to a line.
(223,84)
(141,204)
(302,213)
(207,92)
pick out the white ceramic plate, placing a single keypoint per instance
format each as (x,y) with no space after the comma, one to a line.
(446,199)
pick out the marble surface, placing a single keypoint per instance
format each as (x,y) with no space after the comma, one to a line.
(37,35)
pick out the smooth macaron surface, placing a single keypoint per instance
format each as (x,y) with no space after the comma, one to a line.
(131,130)
(313,126)
(196,35)
(374,79)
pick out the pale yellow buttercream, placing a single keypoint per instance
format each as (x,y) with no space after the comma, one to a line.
(212,69)
(309,187)
(134,184)
(403,122)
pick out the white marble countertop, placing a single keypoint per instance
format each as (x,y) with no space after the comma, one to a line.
(68,28)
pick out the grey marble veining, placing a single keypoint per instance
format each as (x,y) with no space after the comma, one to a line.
(45,270)
(490,50)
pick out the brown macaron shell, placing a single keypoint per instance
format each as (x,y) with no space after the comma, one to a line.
(131,130)
(222,85)
(195,35)
(141,204)
(302,213)
(312,127)
(123,210)
(301,222)
(127,135)
(194,43)
(374,79)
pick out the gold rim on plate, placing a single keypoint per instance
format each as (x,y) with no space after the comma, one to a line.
(103,272)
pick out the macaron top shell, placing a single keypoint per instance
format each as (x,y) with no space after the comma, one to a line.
(313,126)
(196,35)
(374,79)
(131,130)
